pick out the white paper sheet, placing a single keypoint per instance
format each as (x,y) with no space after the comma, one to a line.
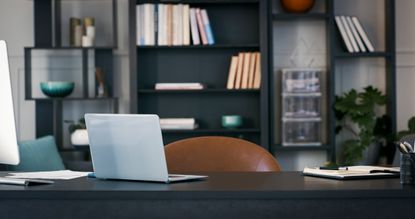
(60,174)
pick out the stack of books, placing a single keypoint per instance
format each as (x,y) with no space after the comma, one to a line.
(172,25)
(178,124)
(179,86)
(245,71)
(353,34)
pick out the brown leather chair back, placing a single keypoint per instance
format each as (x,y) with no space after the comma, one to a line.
(218,154)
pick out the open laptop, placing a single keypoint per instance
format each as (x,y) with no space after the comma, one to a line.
(129,147)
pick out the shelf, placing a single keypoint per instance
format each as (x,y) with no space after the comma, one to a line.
(70,48)
(74,99)
(215,46)
(363,55)
(207,131)
(301,148)
(203,91)
(308,16)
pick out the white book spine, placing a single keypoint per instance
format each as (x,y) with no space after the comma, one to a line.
(193,27)
(152,24)
(143,25)
(356,35)
(363,34)
(350,34)
(344,34)
(138,24)
(160,40)
(186,25)
(175,25)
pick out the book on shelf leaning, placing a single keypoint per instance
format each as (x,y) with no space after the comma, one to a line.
(245,71)
(353,35)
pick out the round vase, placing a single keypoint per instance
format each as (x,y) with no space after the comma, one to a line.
(297,6)
(80,137)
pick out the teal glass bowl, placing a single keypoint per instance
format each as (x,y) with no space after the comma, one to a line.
(57,88)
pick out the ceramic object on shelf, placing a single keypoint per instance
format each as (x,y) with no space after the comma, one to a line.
(297,6)
(231,121)
(57,88)
(80,137)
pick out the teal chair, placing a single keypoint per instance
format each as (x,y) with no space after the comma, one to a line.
(39,155)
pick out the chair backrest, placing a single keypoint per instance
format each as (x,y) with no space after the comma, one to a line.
(218,154)
(39,155)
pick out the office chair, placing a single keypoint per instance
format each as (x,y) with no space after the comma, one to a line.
(218,154)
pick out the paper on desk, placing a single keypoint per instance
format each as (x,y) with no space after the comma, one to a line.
(60,174)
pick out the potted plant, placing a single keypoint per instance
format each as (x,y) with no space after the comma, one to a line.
(79,134)
(356,115)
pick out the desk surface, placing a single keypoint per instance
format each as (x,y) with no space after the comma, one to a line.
(219,186)
(223,195)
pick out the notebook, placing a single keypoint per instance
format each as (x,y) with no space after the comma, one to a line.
(353,172)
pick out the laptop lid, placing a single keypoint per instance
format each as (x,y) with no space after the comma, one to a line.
(127,146)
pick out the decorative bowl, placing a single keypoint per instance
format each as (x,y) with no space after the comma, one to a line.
(297,6)
(231,121)
(57,88)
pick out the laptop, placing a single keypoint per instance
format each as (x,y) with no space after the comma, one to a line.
(129,147)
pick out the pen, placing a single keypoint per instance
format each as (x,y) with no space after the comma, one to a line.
(333,168)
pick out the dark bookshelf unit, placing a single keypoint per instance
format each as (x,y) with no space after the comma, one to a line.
(50,36)
(337,56)
(238,26)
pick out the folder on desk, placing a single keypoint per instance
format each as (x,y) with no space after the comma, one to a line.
(353,172)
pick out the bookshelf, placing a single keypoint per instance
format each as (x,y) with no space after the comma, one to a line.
(238,26)
(52,38)
(335,58)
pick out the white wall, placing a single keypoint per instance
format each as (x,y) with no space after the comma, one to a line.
(16,26)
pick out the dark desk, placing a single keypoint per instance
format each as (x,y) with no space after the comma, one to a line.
(224,195)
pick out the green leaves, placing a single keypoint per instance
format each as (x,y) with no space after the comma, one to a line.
(359,108)
(74,126)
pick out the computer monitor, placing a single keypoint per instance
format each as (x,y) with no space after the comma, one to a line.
(9,152)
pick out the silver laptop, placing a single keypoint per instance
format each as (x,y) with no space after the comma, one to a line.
(129,147)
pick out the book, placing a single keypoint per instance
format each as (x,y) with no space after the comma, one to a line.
(252,71)
(179,86)
(177,25)
(186,25)
(232,73)
(194,27)
(208,28)
(169,34)
(245,72)
(356,35)
(201,27)
(353,172)
(239,71)
(363,34)
(162,25)
(349,34)
(257,77)
(344,34)
(138,24)
(149,32)
(177,121)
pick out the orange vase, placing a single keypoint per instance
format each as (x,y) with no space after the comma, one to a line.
(297,6)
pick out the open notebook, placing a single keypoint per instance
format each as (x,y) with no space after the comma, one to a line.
(354,172)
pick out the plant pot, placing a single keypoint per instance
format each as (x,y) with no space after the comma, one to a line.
(297,6)
(80,137)
(371,155)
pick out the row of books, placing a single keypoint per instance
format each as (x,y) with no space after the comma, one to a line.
(245,71)
(172,25)
(179,86)
(353,34)
(178,124)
